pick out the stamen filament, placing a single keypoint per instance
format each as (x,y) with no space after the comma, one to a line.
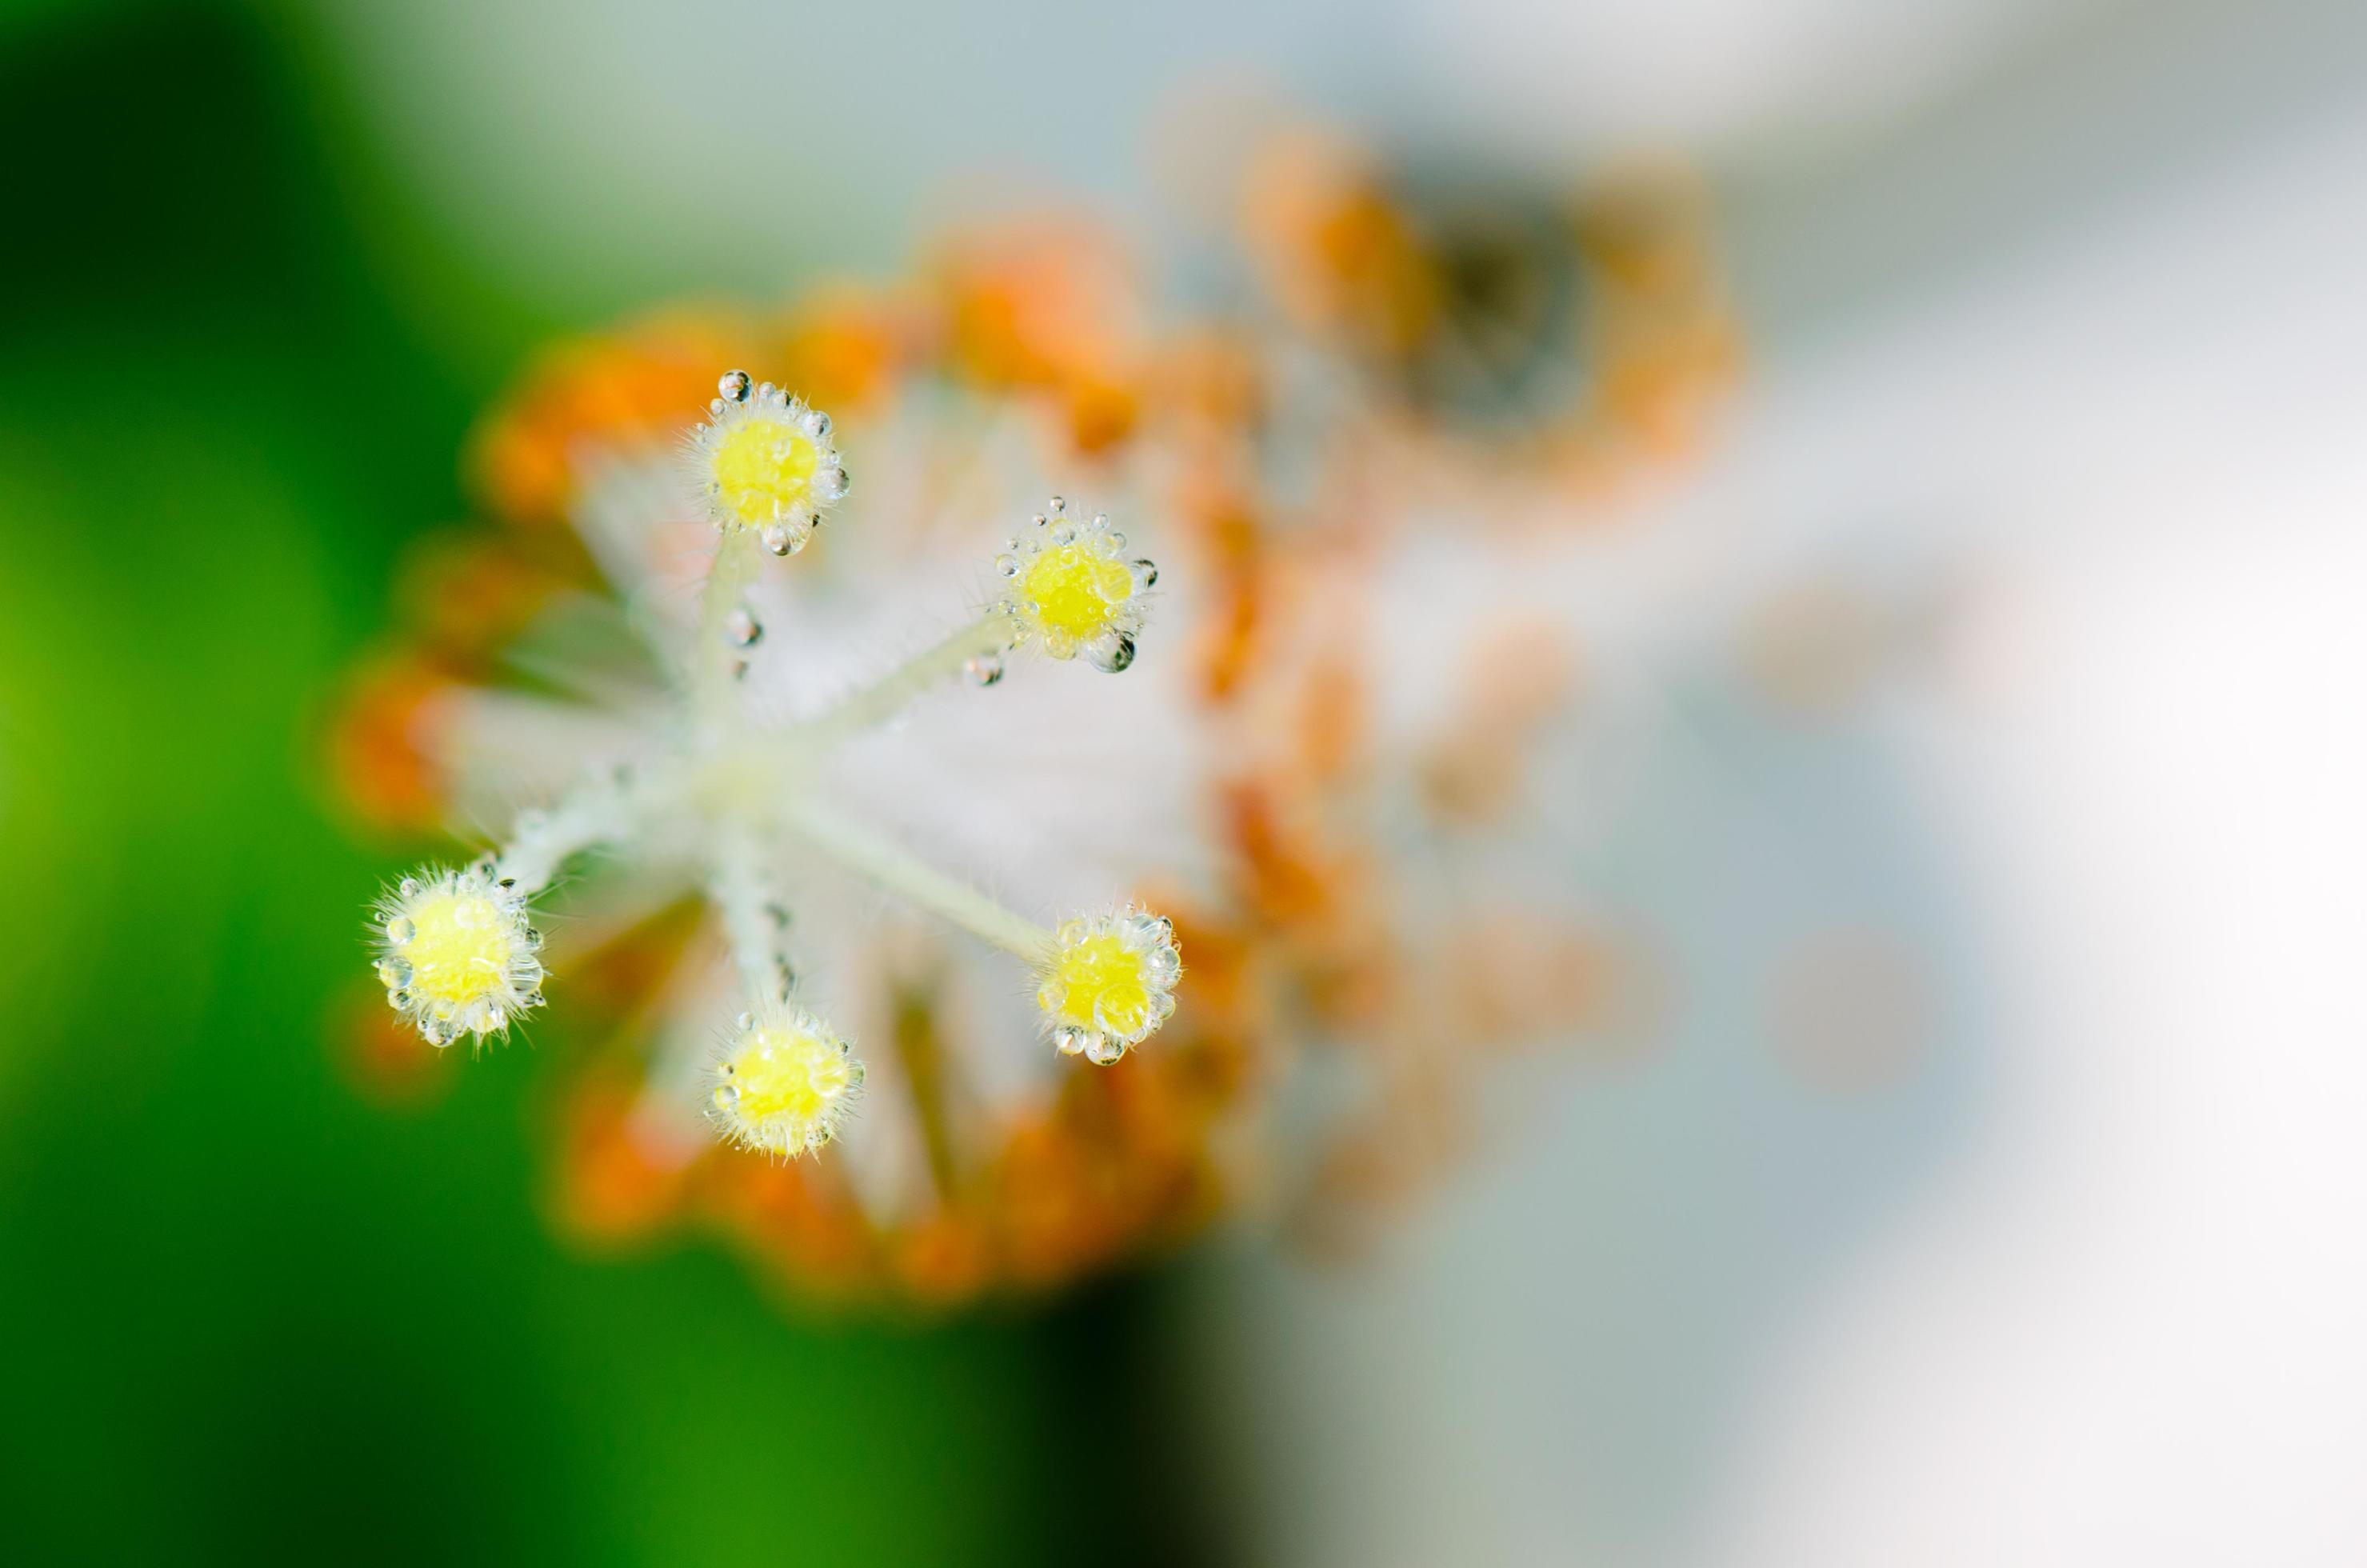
(714,657)
(985,638)
(892,869)
(542,841)
(753,921)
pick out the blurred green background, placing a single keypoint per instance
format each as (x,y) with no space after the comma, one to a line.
(247,1314)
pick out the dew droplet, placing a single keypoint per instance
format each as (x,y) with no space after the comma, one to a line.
(1064,532)
(983,670)
(1100,525)
(1123,1019)
(742,629)
(1058,504)
(1114,655)
(1146,573)
(400,929)
(1070,1042)
(733,386)
(767,391)
(1103,1050)
(817,423)
(408,887)
(1007,565)
(434,1033)
(775,536)
(831,483)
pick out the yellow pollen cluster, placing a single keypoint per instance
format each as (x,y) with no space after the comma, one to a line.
(784,1085)
(1108,982)
(763,469)
(1099,983)
(461,948)
(764,463)
(457,955)
(1072,589)
(1077,591)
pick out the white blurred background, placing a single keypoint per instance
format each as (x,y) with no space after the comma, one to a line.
(2056,307)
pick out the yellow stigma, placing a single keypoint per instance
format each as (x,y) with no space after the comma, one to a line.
(461,948)
(457,955)
(764,471)
(784,1085)
(1099,983)
(1108,982)
(1076,591)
